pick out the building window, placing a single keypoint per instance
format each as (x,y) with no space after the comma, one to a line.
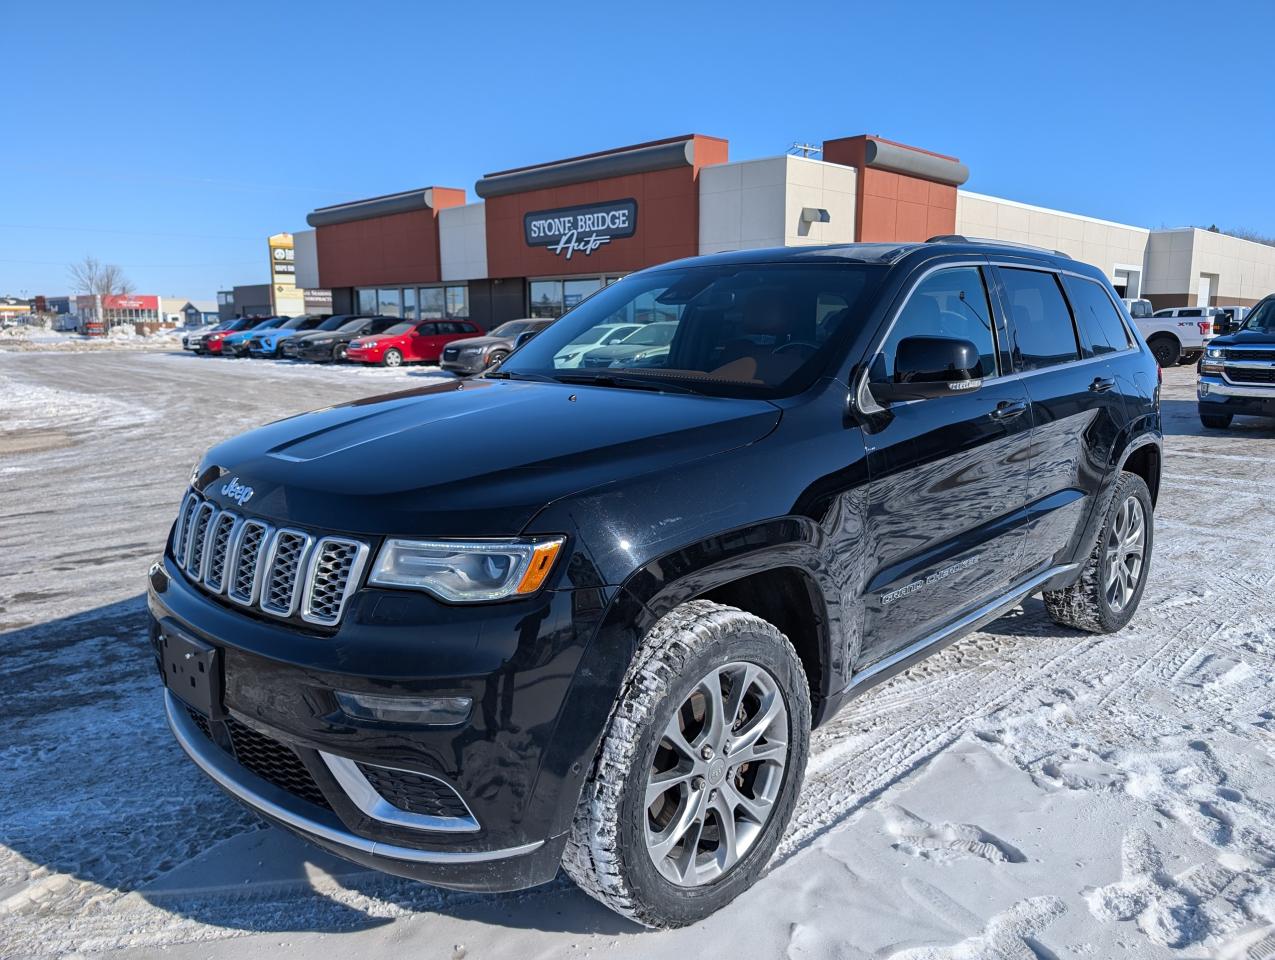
(458,302)
(389,302)
(409,303)
(433,303)
(367,301)
(546,298)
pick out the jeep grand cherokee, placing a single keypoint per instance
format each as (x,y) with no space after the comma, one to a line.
(556,616)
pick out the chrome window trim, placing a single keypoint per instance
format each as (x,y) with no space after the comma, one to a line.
(351,582)
(863,395)
(364,796)
(235,522)
(298,580)
(267,534)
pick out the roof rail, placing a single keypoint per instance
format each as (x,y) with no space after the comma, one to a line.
(957,238)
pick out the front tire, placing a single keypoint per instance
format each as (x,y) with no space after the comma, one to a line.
(1114,576)
(698,771)
(392,358)
(339,352)
(1165,349)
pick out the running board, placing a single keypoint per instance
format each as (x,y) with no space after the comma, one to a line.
(952,631)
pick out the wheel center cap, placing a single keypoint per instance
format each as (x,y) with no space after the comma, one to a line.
(716,771)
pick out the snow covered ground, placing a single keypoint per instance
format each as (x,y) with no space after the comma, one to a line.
(1031,792)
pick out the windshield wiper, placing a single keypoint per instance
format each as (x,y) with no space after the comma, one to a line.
(632,383)
(512,375)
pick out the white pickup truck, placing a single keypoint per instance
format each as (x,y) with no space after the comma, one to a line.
(1176,334)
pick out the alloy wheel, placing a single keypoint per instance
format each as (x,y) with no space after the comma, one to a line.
(1126,553)
(716,775)
(393,358)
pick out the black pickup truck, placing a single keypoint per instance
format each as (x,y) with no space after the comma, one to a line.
(1237,371)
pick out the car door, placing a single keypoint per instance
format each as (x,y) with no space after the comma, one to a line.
(947,476)
(425,342)
(1076,405)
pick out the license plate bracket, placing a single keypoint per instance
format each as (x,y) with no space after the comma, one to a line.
(192,670)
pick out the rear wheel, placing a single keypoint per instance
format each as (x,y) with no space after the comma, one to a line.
(1216,421)
(392,358)
(1165,348)
(1110,587)
(698,771)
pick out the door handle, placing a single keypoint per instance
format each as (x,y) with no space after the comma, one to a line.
(1102,384)
(1008,410)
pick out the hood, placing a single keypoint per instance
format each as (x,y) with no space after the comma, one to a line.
(618,351)
(375,338)
(485,341)
(1245,337)
(477,458)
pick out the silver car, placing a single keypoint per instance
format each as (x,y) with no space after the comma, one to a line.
(476,354)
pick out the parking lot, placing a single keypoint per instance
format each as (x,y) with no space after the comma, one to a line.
(1029,792)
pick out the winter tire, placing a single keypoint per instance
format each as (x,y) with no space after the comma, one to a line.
(1111,582)
(1216,421)
(1165,349)
(698,771)
(496,358)
(392,358)
(339,351)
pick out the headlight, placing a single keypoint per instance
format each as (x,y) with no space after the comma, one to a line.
(471,351)
(1214,353)
(566,357)
(466,571)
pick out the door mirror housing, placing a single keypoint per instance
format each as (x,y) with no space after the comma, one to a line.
(928,367)
(524,337)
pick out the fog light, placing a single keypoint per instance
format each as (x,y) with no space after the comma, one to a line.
(433,711)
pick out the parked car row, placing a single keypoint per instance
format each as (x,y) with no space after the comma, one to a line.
(1237,371)
(1181,334)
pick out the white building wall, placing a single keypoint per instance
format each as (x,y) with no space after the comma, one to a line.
(1235,270)
(1118,249)
(462,242)
(305,252)
(757,203)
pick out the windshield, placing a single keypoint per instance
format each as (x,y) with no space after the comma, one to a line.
(399,328)
(1262,318)
(511,329)
(352,325)
(735,330)
(333,323)
(293,323)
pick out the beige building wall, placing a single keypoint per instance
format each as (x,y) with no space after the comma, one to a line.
(1118,249)
(1189,265)
(462,242)
(758,203)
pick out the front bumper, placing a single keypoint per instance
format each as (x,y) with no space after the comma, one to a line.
(364,355)
(258,349)
(511,868)
(320,354)
(515,764)
(465,364)
(1219,396)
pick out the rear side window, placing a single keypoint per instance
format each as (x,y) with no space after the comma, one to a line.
(1097,316)
(1043,332)
(948,303)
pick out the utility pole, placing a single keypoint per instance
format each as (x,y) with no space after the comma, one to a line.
(804,150)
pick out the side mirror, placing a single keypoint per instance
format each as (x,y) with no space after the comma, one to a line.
(927,367)
(524,337)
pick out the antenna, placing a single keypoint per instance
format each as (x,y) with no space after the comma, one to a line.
(804,149)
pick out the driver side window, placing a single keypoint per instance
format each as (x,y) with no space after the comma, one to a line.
(949,303)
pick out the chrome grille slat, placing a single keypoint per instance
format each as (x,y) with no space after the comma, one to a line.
(282,579)
(198,538)
(219,539)
(243,578)
(181,539)
(281,571)
(336,564)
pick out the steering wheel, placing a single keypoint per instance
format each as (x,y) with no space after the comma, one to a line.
(795,343)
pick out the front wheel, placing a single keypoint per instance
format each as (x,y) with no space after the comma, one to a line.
(392,358)
(699,769)
(1111,582)
(339,352)
(1165,349)
(496,358)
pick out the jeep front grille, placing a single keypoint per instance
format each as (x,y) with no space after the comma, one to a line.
(283,572)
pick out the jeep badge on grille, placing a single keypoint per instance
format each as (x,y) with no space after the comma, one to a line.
(236,491)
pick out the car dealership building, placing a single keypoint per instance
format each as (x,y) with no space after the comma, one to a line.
(541,238)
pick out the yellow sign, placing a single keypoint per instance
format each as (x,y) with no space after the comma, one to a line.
(285,298)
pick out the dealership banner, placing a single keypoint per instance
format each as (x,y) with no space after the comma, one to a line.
(583,229)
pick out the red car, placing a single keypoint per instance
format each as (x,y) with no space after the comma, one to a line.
(412,341)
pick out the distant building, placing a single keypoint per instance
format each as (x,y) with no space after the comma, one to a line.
(11,308)
(100,314)
(183,312)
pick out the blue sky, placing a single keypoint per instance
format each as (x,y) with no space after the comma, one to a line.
(173,138)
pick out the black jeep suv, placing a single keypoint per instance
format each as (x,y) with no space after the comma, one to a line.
(1237,371)
(603,640)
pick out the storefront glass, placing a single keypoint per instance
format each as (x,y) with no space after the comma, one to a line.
(552,298)
(458,302)
(367,301)
(389,302)
(409,303)
(433,303)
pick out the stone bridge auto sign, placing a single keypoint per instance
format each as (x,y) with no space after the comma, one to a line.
(570,230)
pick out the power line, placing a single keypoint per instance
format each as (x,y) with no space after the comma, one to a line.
(131,233)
